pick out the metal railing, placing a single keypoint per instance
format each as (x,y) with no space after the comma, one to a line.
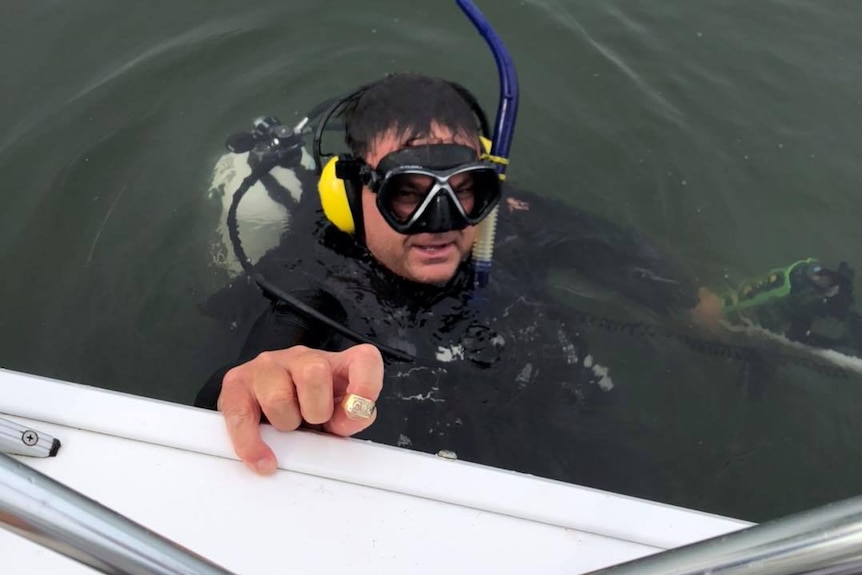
(53,515)
(824,541)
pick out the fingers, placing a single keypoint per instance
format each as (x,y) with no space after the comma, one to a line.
(313,381)
(241,413)
(709,311)
(261,385)
(356,371)
(365,371)
(295,385)
(273,389)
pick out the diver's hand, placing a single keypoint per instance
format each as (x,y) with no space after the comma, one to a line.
(708,312)
(292,386)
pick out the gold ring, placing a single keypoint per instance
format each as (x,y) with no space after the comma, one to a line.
(358,407)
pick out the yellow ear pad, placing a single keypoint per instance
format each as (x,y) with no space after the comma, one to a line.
(333,198)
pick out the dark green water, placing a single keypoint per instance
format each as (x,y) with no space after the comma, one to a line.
(729,131)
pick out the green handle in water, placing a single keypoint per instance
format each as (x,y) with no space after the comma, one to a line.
(776,284)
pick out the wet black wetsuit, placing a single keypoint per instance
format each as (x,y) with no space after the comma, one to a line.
(500,376)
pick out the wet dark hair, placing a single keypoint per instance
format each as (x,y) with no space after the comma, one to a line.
(408,104)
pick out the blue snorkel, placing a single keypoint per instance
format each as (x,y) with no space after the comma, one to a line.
(504,130)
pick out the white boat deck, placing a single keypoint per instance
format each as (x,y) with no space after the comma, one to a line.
(335,504)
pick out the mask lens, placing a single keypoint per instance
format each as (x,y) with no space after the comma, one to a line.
(478,191)
(403,194)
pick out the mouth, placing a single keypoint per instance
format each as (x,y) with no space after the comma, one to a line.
(434,248)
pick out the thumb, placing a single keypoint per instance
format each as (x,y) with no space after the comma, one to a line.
(359,371)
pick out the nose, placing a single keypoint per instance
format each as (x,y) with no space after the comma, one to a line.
(441,216)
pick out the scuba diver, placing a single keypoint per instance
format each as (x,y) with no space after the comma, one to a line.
(381,319)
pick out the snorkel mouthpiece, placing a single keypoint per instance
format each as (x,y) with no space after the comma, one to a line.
(504,130)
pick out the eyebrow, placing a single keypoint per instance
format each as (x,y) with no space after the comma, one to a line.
(464,184)
(429,141)
(413,184)
(422,141)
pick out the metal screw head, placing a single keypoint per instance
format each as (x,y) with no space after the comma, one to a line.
(30,438)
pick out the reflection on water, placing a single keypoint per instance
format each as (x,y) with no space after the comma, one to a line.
(726,133)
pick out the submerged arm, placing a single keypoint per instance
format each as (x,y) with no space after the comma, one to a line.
(604,253)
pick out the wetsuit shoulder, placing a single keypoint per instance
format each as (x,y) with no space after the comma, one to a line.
(280,327)
(552,234)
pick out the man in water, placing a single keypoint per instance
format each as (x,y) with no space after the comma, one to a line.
(490,372)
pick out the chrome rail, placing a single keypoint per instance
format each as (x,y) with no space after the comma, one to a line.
(824,541)
(48,513)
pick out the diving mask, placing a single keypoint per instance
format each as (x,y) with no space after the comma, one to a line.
(433,189)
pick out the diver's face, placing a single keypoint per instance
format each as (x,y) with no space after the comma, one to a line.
(431,258)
